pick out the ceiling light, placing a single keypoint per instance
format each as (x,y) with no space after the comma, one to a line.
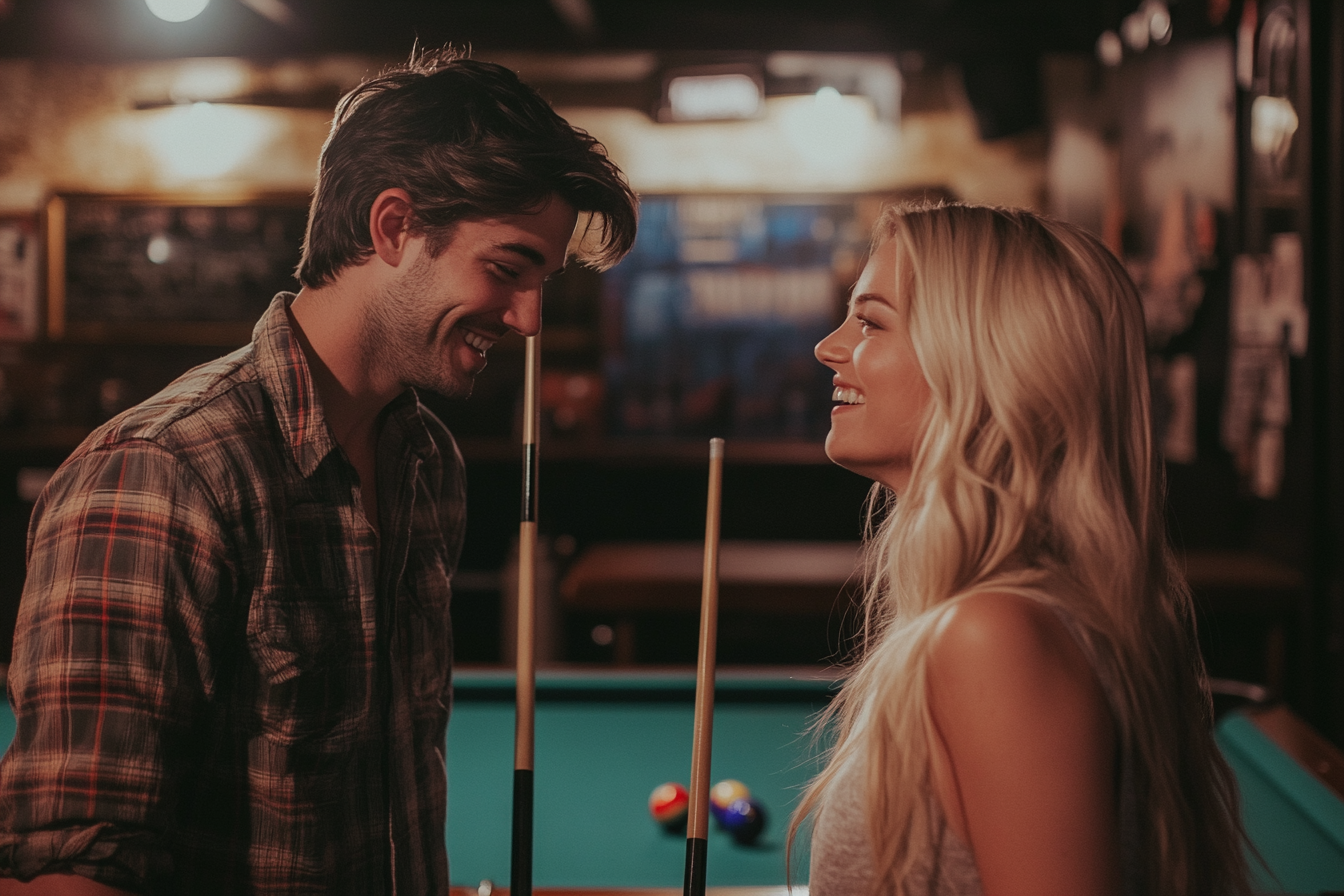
(712,94)
(700,98)
(176,10)
(205,140)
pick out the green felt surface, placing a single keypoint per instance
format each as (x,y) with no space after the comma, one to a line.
(1294,820)
(602,746)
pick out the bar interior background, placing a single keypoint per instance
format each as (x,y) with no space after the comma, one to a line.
(153,174)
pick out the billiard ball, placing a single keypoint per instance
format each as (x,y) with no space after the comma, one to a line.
(744,819)
(722,794)
(668,804)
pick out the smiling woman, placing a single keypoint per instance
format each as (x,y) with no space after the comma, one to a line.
(882,394)
(1030,713)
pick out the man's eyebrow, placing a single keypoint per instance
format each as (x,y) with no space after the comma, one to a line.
(524,250)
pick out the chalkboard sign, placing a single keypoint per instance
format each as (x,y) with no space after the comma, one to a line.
(168,269)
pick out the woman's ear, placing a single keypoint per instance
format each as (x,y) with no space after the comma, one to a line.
(390,219)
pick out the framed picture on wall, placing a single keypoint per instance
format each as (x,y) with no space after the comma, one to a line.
(168,268)
(20,276)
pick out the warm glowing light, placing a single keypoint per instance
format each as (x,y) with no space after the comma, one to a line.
(160,249)
(1135,30)
(177,10)
(208,79)
(710,97)
(828,130)
(1159,23)
(205,140)
(1273,124)
(1109,49)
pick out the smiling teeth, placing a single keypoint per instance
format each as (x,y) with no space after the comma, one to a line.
(477,341)
(848,396)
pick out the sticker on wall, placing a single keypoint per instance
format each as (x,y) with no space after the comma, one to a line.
(18,278)
(1269,325)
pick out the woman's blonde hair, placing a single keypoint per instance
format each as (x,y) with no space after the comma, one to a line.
(1036,474)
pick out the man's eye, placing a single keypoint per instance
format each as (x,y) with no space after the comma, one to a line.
(504,271)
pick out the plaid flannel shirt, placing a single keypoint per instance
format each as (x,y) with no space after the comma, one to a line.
(224,680)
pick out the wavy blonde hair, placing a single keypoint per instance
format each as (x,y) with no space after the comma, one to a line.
(1036,474)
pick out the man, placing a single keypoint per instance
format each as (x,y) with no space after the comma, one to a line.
(232,666)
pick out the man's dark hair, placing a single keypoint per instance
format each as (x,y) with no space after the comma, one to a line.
(466,139)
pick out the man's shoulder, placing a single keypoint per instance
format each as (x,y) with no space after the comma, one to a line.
(211,407)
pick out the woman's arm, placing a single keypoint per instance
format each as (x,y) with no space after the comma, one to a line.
(1024,753)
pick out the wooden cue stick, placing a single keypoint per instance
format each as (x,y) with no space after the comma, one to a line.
(524,739)
(697,822)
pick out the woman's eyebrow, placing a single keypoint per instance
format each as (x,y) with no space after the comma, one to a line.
(863,298)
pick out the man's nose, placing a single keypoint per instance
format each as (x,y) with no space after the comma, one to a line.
(524,314)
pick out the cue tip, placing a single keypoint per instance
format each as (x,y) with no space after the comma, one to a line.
(716,447)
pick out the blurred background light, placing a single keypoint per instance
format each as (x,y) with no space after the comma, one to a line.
(1110,51)
(1159,22)
(1273,124)
(828,129)
(713,97)
(177,10)
(1135,30)
(209,80)
(205,140)
(159,249)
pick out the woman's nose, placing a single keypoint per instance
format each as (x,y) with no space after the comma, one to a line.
(832,349)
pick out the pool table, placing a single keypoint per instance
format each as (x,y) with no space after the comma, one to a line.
(1292,796)
(606,739)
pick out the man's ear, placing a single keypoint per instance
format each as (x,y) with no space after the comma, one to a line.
(390,219)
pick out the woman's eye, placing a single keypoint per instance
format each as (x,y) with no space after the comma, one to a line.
(866,325)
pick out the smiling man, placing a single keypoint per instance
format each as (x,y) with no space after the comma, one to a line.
(232,666)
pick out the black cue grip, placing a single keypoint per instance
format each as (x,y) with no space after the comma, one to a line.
(520,876)
(695,866)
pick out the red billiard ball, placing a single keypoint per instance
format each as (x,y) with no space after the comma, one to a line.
(744,819)
(668,805)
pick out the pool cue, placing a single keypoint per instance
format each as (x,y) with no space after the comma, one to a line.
(697,823)
(524,738)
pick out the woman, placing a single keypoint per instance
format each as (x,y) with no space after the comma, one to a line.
(1030,713)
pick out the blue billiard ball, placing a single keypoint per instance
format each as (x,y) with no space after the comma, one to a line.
(744,819)
(723,794)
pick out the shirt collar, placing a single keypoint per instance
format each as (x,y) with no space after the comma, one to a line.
(298,409)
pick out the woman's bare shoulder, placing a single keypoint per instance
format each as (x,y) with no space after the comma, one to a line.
(1003,635)
(998,658)
(1031,744)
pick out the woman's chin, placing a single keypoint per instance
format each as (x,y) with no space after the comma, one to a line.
(837,455)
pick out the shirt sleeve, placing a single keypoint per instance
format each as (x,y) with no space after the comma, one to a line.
(125,553)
